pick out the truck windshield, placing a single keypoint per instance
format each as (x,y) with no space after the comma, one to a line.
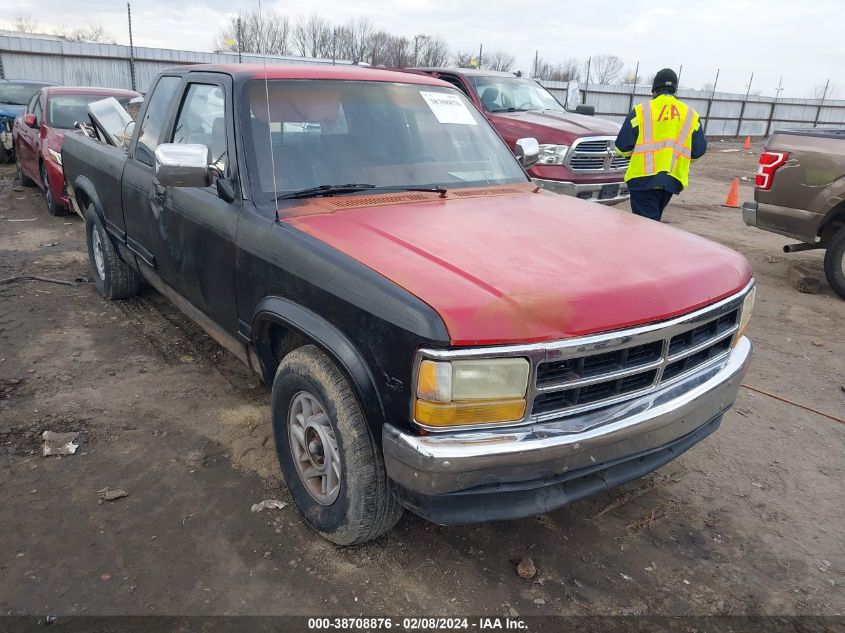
(18,94)
(325,132)
(65,111)
(512,94)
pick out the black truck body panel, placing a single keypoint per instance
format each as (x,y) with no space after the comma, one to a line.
(243,275)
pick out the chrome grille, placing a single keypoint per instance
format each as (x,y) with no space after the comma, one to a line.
(593,154)
(588,381)
(588,373)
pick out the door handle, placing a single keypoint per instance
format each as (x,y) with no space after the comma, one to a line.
(160,192)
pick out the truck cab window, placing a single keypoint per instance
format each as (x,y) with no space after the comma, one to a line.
(153,120)
(202,121)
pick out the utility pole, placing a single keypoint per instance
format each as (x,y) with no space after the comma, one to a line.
(586,81)
(633,88)
(819,110)
(774,106)
(742,109)
(710,101)
(239,39)
(131,47)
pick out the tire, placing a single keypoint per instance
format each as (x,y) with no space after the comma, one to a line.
(834,262)
(113,278)
(363,505)
(23,179)
(53,207)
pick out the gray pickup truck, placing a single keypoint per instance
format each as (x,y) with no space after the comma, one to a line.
(800,193)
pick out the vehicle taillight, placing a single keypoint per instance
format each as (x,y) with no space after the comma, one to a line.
(769,163)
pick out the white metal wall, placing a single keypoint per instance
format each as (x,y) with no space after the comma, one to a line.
(760,116)
(107,65)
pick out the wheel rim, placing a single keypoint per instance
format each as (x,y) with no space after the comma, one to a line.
(97,248)
(48,195)
(314,448)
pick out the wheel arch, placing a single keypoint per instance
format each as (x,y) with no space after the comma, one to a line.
(275,316)
(85,193)
(833,221)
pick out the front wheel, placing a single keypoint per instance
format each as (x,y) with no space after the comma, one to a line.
(834,263)
(333,468)
(53,207)
(113,278)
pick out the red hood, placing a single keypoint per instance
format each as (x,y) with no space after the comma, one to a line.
(552,127)
(524,267)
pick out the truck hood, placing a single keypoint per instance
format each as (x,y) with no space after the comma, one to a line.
(538,124)
(510,266)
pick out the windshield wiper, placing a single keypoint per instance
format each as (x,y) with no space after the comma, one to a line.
(336,190)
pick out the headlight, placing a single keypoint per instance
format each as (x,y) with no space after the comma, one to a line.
(745,312)
(471,391)
(56,156)
(552,154)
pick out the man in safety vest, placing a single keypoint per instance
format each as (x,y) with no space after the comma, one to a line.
(662,137)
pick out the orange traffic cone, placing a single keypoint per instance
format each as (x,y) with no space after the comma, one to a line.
(747,144)
(733,195)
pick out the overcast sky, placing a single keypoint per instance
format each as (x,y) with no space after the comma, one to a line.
(802,41)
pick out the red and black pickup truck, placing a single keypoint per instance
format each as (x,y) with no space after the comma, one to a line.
(440,334)
(576,150)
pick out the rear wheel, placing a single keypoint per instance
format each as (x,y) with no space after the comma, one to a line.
(53,207)
(333,468)
(113,278)
(834,263)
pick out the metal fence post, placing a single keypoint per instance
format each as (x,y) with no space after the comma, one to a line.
(742,109)
(819,109)
(633,88)
(131,47)
(774,106)
(710,102)
(587,81)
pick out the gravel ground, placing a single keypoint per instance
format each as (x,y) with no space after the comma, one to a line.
(751,521)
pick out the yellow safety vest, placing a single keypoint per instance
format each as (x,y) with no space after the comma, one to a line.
(664,139)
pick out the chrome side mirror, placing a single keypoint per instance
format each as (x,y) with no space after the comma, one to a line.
(527,151)
(179,165)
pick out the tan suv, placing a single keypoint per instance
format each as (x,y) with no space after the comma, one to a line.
(800,193)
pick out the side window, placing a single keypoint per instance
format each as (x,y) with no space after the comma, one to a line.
(202,121)
(36,109)
(154,119)
(457,83)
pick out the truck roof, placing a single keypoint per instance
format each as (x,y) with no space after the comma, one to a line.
(474,72)
(87,90)
(312,71)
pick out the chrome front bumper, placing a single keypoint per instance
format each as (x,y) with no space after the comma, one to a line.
(590,191)
(439,464)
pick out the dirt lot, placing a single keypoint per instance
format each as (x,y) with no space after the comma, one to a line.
(751,521)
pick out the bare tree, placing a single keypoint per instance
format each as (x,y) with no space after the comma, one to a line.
(500,60)
(818,92)
(605,69)
(268,33)
(399,53)
(360,32)
(565,71)
(430,51)
(464,59)
(313,36)
(25,23)
(92,33)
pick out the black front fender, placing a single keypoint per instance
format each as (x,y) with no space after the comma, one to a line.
(296,318)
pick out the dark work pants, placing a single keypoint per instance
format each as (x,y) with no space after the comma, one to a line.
(650,203)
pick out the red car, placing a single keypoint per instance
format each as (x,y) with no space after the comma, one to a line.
(37,136)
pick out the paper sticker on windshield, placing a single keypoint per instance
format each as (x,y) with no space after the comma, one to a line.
(448,108)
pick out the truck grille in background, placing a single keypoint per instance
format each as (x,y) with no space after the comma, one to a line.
(595,154)
(600,378)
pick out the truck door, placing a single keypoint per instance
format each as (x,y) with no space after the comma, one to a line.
(196,228)
(27,150)
(141,203)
